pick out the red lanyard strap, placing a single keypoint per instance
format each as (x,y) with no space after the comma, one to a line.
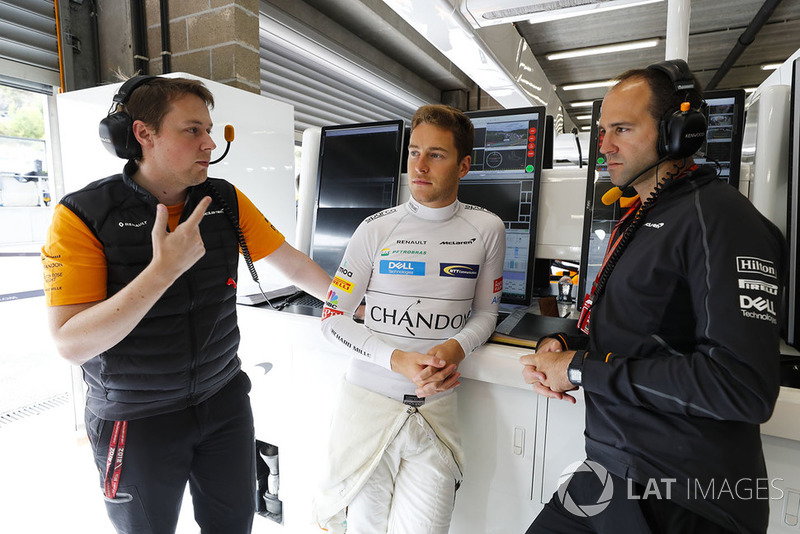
(116,449)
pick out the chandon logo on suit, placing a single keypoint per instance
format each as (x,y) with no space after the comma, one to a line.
(413,321)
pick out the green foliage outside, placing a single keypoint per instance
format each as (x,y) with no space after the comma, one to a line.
(21,113)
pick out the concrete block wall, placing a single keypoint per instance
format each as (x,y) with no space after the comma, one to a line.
(214,39)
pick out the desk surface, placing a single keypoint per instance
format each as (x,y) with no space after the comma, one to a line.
(499,364)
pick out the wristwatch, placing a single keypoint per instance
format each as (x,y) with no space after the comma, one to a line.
(575,369)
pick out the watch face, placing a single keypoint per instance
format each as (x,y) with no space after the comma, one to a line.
(574,376)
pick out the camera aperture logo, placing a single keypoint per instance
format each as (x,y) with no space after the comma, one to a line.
(585,509)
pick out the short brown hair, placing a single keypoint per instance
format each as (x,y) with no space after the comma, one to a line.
(663,97)
(152,100)
(449,118)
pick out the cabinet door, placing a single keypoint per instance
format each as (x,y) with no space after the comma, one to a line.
(559,442)
(498,425)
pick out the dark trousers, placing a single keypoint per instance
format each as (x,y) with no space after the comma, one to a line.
(576,511)
(211,445)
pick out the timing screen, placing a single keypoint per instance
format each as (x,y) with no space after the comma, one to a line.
(505,146)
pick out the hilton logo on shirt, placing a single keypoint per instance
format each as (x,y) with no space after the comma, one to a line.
(749,264)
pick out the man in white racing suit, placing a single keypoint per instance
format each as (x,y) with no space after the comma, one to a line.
(432,274)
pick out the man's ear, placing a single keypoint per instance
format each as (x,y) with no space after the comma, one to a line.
(142,133)
(463,166)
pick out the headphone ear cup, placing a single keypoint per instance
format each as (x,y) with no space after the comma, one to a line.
(681,134)
(116,133)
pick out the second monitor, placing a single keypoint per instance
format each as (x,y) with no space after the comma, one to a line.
(504,178)
(358,175)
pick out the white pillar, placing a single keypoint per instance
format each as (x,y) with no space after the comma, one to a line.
(678,12)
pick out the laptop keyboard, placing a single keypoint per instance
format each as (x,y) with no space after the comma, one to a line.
(308,300)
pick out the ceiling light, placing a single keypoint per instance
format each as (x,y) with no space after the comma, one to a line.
(586,128)
(584,104)
(583,118)
(483,13)
(565,13)
(588,85)
(771,66)
(606,49)
(750,89)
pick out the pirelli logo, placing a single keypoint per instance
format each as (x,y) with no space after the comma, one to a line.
(342,284)
(758,285)
(750,264)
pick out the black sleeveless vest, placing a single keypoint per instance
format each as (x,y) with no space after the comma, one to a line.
(185,348)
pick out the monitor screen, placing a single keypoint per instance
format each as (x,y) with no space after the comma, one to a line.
(723,144)
(504,178)
(358,175)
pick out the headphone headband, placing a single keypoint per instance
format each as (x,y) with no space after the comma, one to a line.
(681,133)
(130,85)
(678,71)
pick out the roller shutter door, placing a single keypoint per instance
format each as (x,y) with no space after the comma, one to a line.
(325,83)
(28,42)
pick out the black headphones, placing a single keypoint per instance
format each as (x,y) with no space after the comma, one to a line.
(116,130)
(682,130)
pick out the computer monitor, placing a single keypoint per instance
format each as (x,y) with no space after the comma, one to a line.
(793,213)
(723,144)
(358,175)
(504,178)
(598,219)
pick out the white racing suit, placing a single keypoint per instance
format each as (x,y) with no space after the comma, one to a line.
(428,275)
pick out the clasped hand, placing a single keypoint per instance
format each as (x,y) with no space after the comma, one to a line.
(433,372)
(546,370)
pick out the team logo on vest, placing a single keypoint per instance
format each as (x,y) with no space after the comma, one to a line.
(411,242)
(215,212)
(758,285)
(764,309)
(409,268)
(139,224)
(342,284)
(749,264)
(459,270)
(348,274)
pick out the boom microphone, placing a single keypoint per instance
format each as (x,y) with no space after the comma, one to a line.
(229,139)
(614,194)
